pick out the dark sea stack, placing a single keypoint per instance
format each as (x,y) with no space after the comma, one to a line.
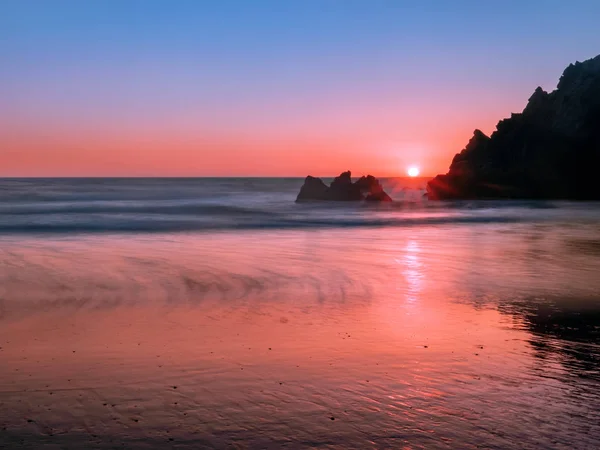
(313,188)
(375,190)
(378,197)
(549,151)
(342,189)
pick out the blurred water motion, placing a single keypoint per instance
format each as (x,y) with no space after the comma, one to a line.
(436,335)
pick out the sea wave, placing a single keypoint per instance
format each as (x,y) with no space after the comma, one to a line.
(187,205)
(262,221)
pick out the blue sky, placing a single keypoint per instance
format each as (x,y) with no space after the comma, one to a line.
(243,67)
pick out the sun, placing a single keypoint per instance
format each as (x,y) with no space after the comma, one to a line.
(413,171)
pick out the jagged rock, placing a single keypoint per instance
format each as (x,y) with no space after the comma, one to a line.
(343,189)
(378,197)
(312,188)
(550,150)
(375,190)
(368,184)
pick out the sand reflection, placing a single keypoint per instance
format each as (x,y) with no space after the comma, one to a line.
(367,339)
(412,271)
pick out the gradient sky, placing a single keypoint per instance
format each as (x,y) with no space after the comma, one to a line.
(282,87)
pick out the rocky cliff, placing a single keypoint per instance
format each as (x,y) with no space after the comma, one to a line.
(551,150)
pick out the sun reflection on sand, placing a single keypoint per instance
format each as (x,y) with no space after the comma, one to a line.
(413,271)
(384,330)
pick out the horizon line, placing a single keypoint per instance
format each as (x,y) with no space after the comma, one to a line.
(191,177)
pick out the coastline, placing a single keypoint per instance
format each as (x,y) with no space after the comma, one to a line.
(258,339)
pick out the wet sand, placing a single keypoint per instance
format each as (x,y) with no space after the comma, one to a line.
(370,339)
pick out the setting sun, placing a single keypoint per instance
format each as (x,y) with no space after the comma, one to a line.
(413,171)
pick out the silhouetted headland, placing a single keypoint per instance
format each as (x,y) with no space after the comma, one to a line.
(343,189)
(549,151)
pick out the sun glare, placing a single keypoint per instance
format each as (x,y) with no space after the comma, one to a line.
(413,171)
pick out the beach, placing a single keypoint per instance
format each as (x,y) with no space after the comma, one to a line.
(265,324)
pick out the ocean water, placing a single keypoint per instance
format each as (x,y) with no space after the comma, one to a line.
(217,313)
(218,204)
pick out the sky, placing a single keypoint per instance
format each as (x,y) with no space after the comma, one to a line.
(270,88)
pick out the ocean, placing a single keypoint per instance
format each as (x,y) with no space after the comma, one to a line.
(218,313)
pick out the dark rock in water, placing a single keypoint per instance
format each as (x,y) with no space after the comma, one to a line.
(375,191)
(380,196)
(343,189)
(312,188)
(369,184)
(549,151)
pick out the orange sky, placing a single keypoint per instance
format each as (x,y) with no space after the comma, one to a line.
(267,88)
(383,142)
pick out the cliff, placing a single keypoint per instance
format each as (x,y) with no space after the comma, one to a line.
(549,151)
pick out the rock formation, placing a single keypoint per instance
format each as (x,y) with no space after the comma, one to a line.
(549,151)
(343,189)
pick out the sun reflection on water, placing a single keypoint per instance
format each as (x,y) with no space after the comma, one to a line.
(412,271)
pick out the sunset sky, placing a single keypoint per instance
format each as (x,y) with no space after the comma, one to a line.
(270,88)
